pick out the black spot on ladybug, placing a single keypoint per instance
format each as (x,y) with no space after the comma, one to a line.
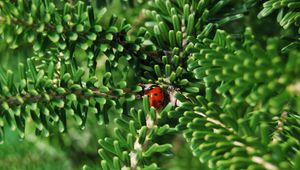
(155,94)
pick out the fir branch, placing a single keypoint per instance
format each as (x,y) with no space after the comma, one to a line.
(216,135)
(47,99)
(150,124)
(279,127)
(74,26)
(139,129)
(214,121)
(41,98)
(228,94)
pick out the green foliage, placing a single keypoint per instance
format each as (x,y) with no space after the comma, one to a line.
(287,11)
(48,99)
(126,3)
(227,143)
(244,73)
(134,144)
(287,16)
(233,93)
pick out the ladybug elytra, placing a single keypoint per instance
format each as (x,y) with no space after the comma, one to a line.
(155,96)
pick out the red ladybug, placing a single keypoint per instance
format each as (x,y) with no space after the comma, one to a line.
(156,96)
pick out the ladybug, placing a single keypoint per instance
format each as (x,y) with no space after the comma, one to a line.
(156,96)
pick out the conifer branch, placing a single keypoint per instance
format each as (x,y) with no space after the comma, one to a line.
(226,91)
